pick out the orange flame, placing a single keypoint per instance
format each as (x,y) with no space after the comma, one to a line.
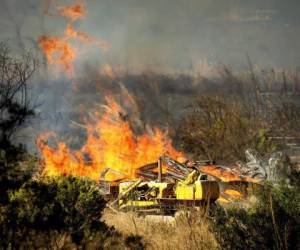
(110,143)
(83,37)
(225,175)
(230,195)
(60,50)
(73,12)
(233,193)
(223,200)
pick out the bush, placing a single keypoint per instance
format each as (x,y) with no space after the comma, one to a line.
(15,172)
(273,223)
(222,128)
(61,212)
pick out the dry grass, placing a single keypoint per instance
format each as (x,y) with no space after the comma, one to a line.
(186,231)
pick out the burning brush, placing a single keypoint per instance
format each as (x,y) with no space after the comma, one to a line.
(110,143)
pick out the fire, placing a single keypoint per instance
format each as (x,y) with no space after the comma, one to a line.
(83,37)
(230,195)
(70,33)
(61,51)
(110,143)
(225,175)
(233,193)
(223,200)
(220,173)
(73,12)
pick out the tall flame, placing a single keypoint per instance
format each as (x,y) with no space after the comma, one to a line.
(61,50)
(110,144)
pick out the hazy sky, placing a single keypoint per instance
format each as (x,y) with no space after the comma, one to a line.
(171,33)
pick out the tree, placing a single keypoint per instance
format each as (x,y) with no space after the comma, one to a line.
(14,102)
(15,163)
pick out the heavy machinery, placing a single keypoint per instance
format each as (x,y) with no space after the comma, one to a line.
(182,187)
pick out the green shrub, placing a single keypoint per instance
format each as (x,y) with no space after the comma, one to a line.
(16,167)
(272,223)
(60,212)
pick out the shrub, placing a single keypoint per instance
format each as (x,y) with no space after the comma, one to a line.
(14,172)
(220,128)
(61,212)
(273,223)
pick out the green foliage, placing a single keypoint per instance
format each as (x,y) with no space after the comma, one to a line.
(61,211)
(272,223)
(262,142)
(16,167)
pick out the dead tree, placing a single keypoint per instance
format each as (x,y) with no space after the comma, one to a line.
(14,102)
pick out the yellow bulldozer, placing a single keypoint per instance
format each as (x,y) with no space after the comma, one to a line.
(165,195)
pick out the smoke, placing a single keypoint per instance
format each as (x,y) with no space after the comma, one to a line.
(164,36)
(169,34)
